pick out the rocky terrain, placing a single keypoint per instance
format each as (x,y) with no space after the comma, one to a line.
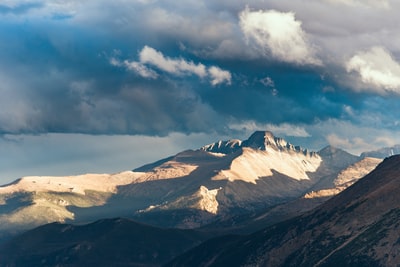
(358,227)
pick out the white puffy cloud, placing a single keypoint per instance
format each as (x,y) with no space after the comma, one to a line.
(149,55)
(136,67)
(141,69)
(278,33)
(376,69)
(219,76)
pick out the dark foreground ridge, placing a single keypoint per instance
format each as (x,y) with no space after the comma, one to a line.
(358,227)
(108,242)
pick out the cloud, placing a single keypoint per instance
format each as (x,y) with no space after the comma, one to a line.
(268,82)
(39,9)
(219,76)
(134,66)
(179,67)
(279,34)
(18,8)
(149,57)
(346,143)
(377,70)
(365,3)
(141,69)
(284,129)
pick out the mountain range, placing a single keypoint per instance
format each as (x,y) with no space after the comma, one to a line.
(192,188)
(358,227)
(222,188)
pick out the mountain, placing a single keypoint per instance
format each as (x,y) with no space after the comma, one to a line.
(109,242)
(239,177)
(36,200)
(219,182)
(250,222)
(358,227)
(259,140)
(382,153)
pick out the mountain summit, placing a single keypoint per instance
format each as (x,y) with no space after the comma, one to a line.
(259,140)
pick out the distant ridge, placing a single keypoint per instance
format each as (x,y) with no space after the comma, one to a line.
(382,153)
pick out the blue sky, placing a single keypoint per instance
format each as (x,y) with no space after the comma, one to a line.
(105,86)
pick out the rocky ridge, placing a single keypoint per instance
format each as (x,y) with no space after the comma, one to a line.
(259,140)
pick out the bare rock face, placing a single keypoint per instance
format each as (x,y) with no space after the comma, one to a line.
(224,147)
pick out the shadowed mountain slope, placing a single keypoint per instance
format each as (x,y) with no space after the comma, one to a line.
(110,242)
(358,227)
